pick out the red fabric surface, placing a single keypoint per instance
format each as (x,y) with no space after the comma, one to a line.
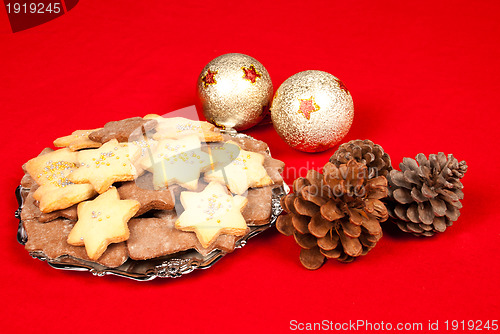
(424,77)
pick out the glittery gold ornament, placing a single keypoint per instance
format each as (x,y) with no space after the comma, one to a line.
(235,91)
(312,111)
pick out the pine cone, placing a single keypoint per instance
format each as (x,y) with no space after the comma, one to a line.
(373,155)
(336,214)
(424,197)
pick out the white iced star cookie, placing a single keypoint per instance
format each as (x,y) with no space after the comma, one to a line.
(177,127)
(102,221)
(212,212)
(237,168)
(112,162)
(51,172)
(178,162)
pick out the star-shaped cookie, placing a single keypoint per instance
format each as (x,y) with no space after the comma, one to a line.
(237,168)
(78,140)
(178,162)
(46,167)
(52,197)
(101,222)
(31,210)
(51,171)
(212,212)
(177,127)
(112,162)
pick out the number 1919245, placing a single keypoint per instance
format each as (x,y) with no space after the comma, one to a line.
(471,325)
(33,8)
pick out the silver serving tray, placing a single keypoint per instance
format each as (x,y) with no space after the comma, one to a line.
(171,266)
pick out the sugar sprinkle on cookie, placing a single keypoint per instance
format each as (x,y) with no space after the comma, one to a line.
(178,161)
(212,212)
(51,172)
(112,162)
(237,168)
(177,127)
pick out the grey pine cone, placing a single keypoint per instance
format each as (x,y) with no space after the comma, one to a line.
(424,197)
(365,151)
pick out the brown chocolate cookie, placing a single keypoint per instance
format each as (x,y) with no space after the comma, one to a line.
(248,144)
(50,238)
(155,237)
(142,191)
(258,209)
(121,130)
(274,168)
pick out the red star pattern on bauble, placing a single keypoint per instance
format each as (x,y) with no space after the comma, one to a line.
(251,74)
(308,106)
(342,86)
(209,78)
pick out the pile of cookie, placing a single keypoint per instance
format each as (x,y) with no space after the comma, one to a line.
(145,188)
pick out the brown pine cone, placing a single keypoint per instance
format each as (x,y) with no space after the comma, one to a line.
(336,214)
(424,197)
(372,155)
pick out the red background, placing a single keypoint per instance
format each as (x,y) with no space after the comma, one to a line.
(424,77)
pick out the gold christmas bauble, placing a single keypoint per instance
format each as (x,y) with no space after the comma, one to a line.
(312,111)
(235,91)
